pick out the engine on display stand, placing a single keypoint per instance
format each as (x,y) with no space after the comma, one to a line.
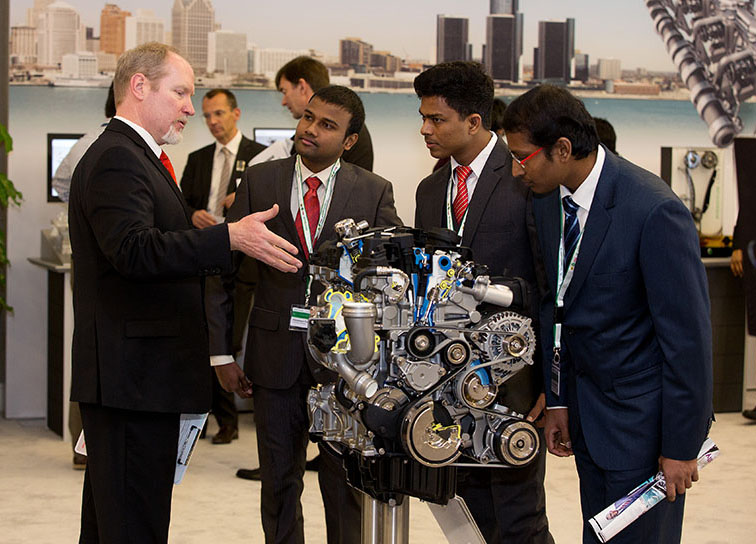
(421,339)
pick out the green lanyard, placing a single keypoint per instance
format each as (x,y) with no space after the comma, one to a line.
(563,283)
(323,208)
(323,213)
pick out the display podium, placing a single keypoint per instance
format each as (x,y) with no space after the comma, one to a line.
(59,339)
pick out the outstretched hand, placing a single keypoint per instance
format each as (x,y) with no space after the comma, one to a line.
(251,236)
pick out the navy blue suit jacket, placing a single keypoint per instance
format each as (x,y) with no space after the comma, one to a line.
(636,340)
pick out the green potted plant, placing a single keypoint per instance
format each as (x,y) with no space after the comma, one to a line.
(8,195)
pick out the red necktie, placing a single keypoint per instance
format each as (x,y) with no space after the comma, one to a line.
(461,200)
(168,166)
(312,209)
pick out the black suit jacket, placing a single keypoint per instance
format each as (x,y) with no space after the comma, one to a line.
(140,335)
(197,176)
(500,230)
(275,355)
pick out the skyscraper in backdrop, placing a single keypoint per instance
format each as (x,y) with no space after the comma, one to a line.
(503,48)
(192,21)
(452,39)
(113,29)
(552,59)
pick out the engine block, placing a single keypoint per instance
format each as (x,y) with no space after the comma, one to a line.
(421,339)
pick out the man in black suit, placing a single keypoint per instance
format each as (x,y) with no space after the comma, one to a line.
(208,185)
(314,189)
(475,195)
(140,351)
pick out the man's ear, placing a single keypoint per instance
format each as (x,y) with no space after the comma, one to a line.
(349,141)
(305,87)
(138,85)
(562,149)
(474,123)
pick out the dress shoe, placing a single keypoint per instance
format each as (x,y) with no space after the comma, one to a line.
(750,414)
(79,461)
(225,435)
(249,474)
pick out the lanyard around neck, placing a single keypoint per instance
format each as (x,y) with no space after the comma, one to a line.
(323,208)
(449,213)
(564,278)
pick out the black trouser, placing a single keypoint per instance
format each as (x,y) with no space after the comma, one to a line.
(131,459)
(508,504)
(282,424)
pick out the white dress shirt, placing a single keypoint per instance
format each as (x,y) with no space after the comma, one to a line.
(218,160)
(146,136)
(476,166)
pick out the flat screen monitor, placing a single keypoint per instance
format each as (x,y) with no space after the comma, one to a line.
(58,146)
(267,136)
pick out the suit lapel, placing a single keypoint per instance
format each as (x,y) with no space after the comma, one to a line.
(344,184)
(123,128)
(484,188)
(435,198)
(596,227)
(551,233)
(283,187)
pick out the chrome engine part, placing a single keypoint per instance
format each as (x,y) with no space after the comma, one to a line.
(422,339)
(713,46)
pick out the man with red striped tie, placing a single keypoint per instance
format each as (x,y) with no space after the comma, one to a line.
(476,196)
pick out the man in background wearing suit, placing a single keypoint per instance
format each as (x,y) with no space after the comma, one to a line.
(629,383)
(139,345)
(314,189)
(475,195)
(208,185)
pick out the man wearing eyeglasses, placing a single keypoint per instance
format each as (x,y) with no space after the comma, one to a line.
(626,321)
(475,195)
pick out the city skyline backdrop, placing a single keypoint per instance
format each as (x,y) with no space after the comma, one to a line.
(408,29)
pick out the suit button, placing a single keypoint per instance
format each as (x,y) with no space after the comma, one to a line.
(570,331)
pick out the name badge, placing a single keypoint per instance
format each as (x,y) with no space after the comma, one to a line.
(300,317)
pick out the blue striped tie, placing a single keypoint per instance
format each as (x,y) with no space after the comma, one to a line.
(571,228)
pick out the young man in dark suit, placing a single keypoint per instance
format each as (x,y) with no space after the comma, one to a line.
(314,190)
(209,185)
(475,195)
(626,319)
(140,350)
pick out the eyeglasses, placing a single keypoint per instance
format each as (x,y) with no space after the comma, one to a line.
(526,159)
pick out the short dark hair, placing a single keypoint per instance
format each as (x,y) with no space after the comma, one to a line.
(548,113)
(346,99)
(464,85)
(110,107)
(212,93)
(606,134)
(497,114)
(312,71)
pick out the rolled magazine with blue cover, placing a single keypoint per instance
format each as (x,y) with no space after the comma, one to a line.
(621,513)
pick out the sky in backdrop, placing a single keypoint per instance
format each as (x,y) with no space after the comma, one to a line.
(604,28)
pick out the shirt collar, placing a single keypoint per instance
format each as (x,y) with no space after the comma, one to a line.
(479,162)
(583,196)
(232,145)
(322,175)
(146,136)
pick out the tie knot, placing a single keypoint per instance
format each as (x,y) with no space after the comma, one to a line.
(313,182)
(226,151)
(569,205)
(463,172)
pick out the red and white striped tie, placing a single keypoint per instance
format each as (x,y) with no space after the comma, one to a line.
(461,200)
